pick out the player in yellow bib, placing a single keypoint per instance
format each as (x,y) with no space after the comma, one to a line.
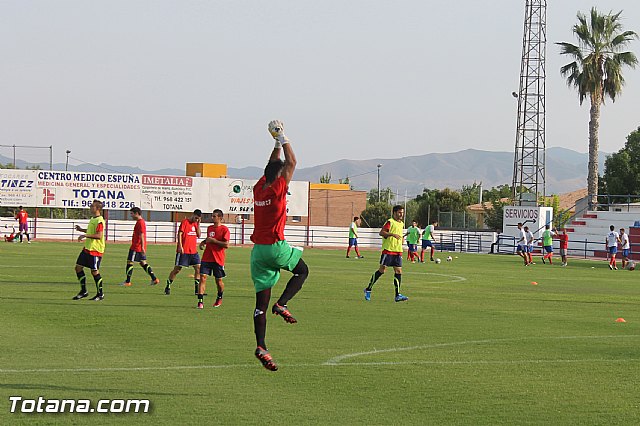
(391,234)
(91,256)
(353,237)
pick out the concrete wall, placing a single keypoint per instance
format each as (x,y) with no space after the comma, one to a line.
(335,208)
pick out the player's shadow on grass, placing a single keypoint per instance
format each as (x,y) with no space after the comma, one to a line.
(29,386)
(92,305)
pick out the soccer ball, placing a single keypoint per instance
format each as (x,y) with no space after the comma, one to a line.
(449,258)
(632,266)
(438,260)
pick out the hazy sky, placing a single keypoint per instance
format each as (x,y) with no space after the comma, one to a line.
(158,83)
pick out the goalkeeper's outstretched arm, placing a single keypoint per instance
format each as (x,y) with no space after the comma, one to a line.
(289,163)
(276,129)
(275,154)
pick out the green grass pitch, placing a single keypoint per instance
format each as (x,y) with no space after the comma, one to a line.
(476,343)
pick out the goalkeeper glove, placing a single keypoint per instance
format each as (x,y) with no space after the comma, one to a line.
(276,129)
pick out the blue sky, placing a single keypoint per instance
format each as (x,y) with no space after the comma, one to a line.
(158,83)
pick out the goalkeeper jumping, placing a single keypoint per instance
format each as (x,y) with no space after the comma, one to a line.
(271,252)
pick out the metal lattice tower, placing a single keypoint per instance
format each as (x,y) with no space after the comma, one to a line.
(529,161)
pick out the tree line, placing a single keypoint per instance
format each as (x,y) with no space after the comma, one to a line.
(620,181)
(425,207)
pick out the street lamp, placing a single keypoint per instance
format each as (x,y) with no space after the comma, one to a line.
(66,169)
(379,165)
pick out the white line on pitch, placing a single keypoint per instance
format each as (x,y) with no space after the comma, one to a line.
(496,362)
(457,279)
(338,359)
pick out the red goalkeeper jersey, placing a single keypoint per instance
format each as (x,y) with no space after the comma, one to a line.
(270,211)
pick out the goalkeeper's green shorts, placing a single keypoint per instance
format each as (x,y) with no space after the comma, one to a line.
(267,260)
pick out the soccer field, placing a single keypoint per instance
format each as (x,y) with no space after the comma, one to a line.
(476,343)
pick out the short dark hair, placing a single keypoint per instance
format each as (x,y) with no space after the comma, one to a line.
(135,210)
(519,223)
(20,207)
(612,228)
(272,169)
(355,218)
(218,212)
(197,212)
(99,204)
(397,207)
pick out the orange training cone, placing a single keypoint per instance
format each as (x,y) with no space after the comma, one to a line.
(621,320)
(534,283)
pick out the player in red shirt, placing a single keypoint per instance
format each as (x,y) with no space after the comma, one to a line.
(23,225)
(138,249)
(271,252)
(214,247)
(564,245)
(11,238)
(187,250)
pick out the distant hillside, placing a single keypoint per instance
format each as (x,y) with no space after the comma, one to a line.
(566,170)
(99,168)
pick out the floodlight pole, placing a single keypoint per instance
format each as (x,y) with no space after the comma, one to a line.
(529,160)
(379,165)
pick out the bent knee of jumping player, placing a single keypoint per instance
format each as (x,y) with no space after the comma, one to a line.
(301,269)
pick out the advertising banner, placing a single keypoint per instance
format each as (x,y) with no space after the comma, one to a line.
(168,193)
(78,190)
(18,188)
(235,196)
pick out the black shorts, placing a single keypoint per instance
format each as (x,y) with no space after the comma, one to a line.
(187,260)
(136,256)
(391,260)
(212,268)
(89,261)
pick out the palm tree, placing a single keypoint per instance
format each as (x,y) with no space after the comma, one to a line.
(596,72)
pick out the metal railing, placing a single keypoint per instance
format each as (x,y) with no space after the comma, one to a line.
(461,242)
(313,236)
(605,202)
(330,237)
(576,248)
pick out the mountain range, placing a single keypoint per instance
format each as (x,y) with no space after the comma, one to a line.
(566,170)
